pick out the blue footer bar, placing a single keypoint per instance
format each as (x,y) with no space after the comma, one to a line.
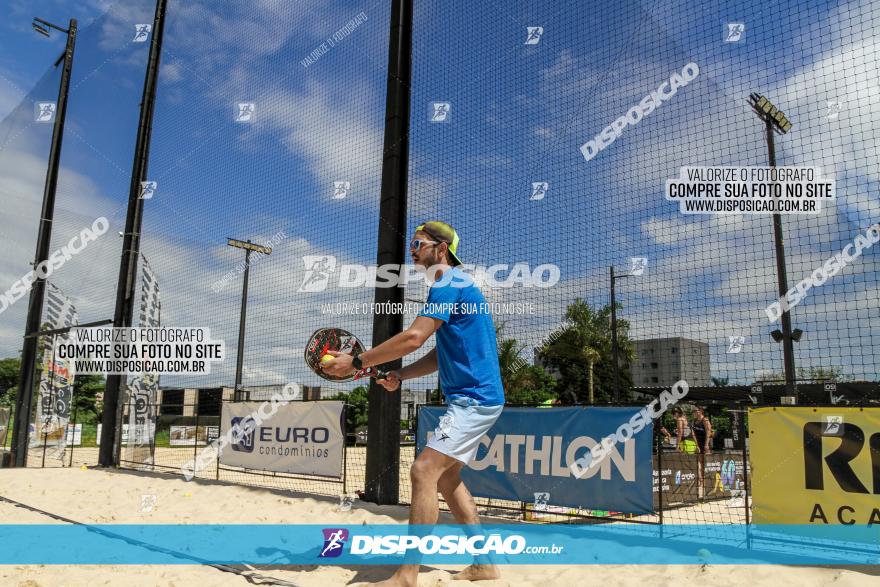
(558,544)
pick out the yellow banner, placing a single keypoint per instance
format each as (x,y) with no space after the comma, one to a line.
(815,465)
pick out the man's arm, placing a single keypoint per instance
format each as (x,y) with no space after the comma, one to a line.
(424,366)
(395,347)
(403,343)
(708,448)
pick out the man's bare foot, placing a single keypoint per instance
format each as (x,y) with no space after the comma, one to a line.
(477,572)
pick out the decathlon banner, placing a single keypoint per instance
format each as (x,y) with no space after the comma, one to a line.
(297,437)
(815,465)
(526,455)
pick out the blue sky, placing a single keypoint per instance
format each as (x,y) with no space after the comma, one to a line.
(519,114)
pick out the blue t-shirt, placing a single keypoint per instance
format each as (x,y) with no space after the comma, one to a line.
(467,355)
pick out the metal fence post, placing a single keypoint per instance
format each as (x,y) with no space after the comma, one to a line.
(747,492)
(659,480)
(344,448)
(81,436)
(196,441)
(217,442)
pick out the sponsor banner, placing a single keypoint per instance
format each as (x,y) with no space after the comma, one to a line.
(211,433)
(723,475)
(530,450)
(124,434)
(300,437)
(182,436)
(552,513)
(816,466)
(4,424)
(393,544)
(190,436)
(74,435)
(56,379)
(679,477)
(143,387)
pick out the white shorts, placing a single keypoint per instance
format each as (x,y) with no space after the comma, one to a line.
(460,429)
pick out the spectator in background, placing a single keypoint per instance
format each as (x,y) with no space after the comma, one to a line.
(684,437)
(702,430)
(661,435)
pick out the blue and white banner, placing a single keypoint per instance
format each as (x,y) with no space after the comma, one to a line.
(393,544)
(527,453)
(295,437)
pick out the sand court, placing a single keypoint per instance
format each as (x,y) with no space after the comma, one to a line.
(95,496)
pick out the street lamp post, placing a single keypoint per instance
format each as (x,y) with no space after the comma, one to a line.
(775,121)
(25,398)
(248,247)
(614,347)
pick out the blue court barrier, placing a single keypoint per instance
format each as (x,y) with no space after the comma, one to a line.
(526,455)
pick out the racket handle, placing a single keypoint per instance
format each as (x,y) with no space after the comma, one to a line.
(371,372)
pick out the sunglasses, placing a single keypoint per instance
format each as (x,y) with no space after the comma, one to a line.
(416,243)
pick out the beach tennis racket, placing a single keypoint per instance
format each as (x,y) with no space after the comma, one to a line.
(339,340)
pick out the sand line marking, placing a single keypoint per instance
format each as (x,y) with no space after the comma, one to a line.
(251,576)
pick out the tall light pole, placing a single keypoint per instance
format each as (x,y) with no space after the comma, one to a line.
(131,241)
(24,400)
(383,439)
(775,121)
(614,347)
(248,247)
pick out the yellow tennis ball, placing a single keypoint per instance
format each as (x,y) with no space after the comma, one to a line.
(703,553)
(326,358)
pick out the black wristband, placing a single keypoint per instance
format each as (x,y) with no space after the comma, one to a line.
(357,363)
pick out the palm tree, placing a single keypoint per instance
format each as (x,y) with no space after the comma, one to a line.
(582,339)
(591,356)
(510,362)
(575,341)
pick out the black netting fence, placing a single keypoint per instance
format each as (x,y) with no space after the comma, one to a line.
(526,170)
(545,134)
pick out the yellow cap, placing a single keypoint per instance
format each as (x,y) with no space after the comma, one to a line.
(442,232)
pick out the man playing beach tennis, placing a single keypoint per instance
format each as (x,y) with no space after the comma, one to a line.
(467,358)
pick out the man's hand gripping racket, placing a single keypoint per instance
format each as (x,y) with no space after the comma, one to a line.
(337,343)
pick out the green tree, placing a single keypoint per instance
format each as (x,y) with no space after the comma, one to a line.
(9,371)
(719,381)
(811,375)
(820,374)
(581,351)
(577,344)
(511,364)
(356,409)
(85,404)
(534,386)
(523,383)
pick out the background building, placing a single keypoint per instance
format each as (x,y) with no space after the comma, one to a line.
(207,401)
(660,362)
(409,399)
